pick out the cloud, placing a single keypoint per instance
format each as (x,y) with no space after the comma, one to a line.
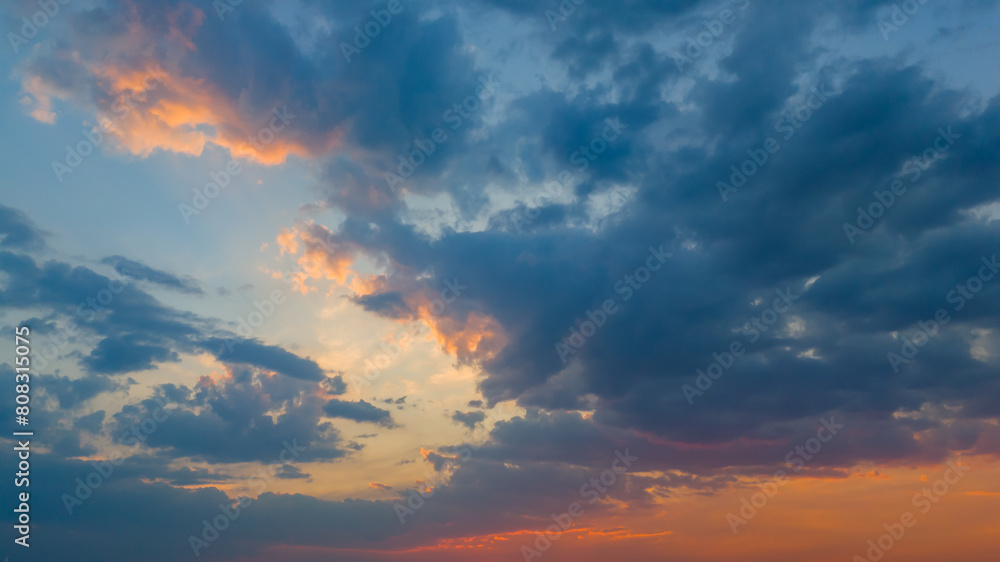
(534,271)
(72,392)
(253,352)
(782,230)
(129,353)
(142,272)
(91,422)
(468,419)
(153,102)
(359,411)
(246,416)
(136,331)
(290,472)
(18,232)
(156,518)
(199,97)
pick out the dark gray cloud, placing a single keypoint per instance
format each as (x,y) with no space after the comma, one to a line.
(71,392)
(782,230)
(359,411)
(91,422)
(249,416)
(155,519)
(468,419)
(18,232)
(273,396)
(290,472)
(253,352)
(142,272)
(136,331)
(128,353)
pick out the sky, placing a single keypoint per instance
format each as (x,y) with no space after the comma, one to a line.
(405,280)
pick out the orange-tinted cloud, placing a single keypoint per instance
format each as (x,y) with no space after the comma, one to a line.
(321,257)
(475,335)
(468,335)
(146,102)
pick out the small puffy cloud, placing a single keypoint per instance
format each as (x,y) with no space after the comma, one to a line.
(468,419)
(359,411)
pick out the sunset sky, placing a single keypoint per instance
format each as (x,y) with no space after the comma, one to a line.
(403,280)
